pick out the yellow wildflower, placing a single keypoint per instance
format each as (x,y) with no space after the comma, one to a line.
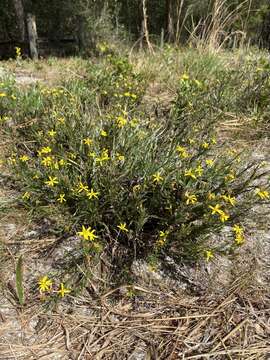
(47,161)
(92,194)
(229,199)
(209,162)
(121,121)
(2,94)
(223,216)
(63,291)
(52,181)
(238,229)
(182,151)
(211,196)
(199,170)
(45,284)
(205,145)
(26,196)
(263,194)
(61,198)
(190,173)
(184,77)
(120,157)
(209,255)
(157,178)
(239,239)
(82,187)
(123,227)
(52,133)
(24,158)
(215,209)
(87,234)
(191,198)
(103,133)
(44,150)
(230,177)
(87,141)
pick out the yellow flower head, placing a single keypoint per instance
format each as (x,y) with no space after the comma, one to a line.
(190,173)
(263,194)
(88,141)
(61,198)
(208,255)
(26,196)
(123,227)
(87,233)
(92,194)
(52,181)
(223,216)
(229,199)
(205,145)
(63,291)
(157,178)
(44,150)
(103,133)
(24,158)
(191,198)
(52,133)
(238,229)
(209,162)
(44,284)
(47,161)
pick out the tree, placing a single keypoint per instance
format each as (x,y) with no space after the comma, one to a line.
(19,11)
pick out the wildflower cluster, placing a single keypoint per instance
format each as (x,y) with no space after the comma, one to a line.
(127,181)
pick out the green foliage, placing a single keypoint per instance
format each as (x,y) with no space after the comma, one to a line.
(19,280)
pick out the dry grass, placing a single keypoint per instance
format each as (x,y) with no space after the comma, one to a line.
(153,325)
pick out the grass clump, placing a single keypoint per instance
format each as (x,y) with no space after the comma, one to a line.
(127,184)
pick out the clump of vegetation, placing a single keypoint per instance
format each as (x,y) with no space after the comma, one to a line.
(126,183)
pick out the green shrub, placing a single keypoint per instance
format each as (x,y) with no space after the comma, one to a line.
(129,185)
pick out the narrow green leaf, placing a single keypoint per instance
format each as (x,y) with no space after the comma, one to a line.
(19,280)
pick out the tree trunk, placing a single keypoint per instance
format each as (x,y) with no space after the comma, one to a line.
(19,11)
(145,26)
(170,21)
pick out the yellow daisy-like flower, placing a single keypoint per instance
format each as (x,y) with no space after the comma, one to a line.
(209,162)
(191,198)
(121,121)
(190,173)
(157,178)
(26,196)
(63,291)
(52,181)
(208,255)
(44,150)
(205,145)
(120,157)
(45,284)
(123,227)
(229,199)
(215,209)
(182,151)
(103,133)
(52,133)
(24,158)
(238,229)
(199,170)
(239,239)
(47,161)
(87,233)
(61,198)
(263,194)
(92,194)
(2,94)
(223,216)
(88,141)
